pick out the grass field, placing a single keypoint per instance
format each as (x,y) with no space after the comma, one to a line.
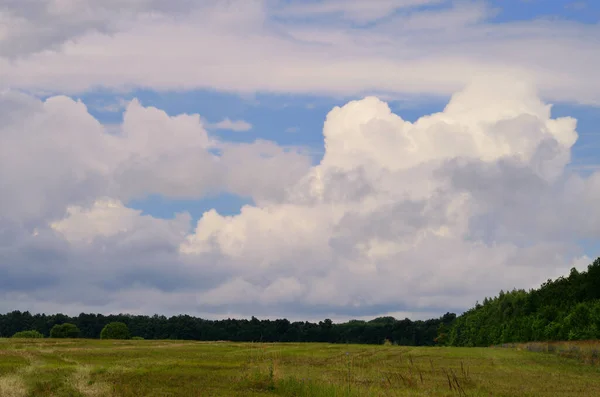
(176,368)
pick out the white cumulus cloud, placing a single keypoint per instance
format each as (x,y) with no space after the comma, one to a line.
(54,153)
(398,216)
(391,214)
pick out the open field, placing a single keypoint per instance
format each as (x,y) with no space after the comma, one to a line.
(177,368)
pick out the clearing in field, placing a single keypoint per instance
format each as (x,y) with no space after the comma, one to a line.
(175,368)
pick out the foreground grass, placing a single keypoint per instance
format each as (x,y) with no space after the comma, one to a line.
(78,368)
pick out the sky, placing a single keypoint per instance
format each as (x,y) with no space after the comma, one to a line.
(301,159)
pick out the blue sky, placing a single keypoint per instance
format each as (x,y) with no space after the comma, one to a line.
(387,219)
(523,10)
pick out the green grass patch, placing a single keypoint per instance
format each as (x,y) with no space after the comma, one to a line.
(10,363)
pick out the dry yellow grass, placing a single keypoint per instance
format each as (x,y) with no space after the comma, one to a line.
(82,382)
(12,385)
(587,351)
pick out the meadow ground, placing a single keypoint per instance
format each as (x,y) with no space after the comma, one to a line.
(177,368)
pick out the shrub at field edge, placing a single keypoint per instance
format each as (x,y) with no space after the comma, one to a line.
(66,330)
(28,334)
(115,330)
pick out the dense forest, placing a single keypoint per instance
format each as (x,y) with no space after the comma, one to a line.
(404,332)
(567,308)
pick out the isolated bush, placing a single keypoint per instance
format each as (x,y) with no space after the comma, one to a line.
(66,330)
(28,334)
(115,330)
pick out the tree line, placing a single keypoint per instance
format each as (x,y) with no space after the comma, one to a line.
(567,308)
(184,327)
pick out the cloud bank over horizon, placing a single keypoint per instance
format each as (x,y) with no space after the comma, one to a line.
(394,47)
(397,217)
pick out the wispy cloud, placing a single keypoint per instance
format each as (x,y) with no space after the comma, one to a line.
(115,106)
(357,11)
(232,125)
(576,5)
(426,51)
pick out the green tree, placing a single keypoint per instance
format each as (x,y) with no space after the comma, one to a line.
(66,330)
(115,330)
(28,334)
(565,308)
